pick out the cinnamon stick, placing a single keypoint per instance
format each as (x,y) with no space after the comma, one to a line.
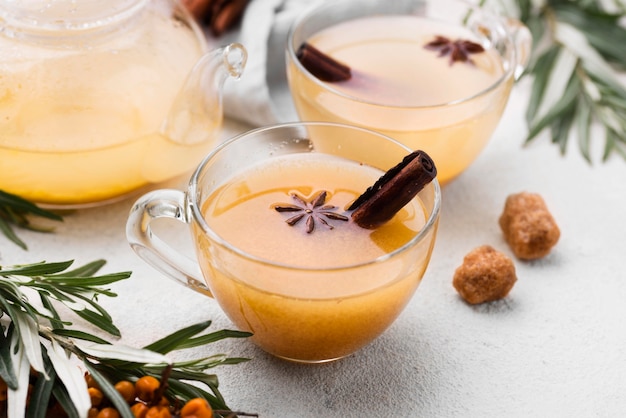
(225,14)
(218,15)
(393,190)
(321,65)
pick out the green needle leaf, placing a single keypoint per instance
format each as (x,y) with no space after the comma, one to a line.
(17,397)
(40,396)
(541,71)
(124,353)
(29,337)
(558,110)
(172,341)
(79,335)
(555,86)
(583,125)
(7,371)
(60,394)
(15,210)
(37,269)
(19,204)
(87,270)
(12,236)
(213,337)
(87,281)
(71,377)
(99,321)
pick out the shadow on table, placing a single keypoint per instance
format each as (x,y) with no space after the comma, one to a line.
(394,373)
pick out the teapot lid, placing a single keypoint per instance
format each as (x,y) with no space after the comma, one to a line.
(64,15)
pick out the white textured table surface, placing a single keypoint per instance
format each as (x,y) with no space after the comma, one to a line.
(556,347)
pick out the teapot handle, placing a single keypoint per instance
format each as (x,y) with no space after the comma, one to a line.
(197,111)
(165,203)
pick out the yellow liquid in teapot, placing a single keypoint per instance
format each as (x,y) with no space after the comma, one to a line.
(81,125)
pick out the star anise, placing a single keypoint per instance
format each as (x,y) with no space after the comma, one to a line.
(313,210)
(458,50)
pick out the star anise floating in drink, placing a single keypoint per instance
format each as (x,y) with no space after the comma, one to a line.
(458,50)
(377,205)
(314,211)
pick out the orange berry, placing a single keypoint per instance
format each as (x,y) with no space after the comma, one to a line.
(4,390)
(91,382)
(159,411)
(126,389)
(108,413)
(95,395)
(145,388)
(29,392)
(139,410)
(93,413)
(196,408)
(56,411)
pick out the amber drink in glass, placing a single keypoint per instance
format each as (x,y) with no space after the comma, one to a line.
(276,245)
(433,74)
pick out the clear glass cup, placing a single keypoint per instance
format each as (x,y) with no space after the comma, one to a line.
(303,313)
(444,115)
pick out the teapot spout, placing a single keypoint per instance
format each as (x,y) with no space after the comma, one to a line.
(197,113)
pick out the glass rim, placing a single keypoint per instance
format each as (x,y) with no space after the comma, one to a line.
(193,203)
(27,19)
(291,51)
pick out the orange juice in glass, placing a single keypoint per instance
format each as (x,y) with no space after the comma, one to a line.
(277,247)
(433,74)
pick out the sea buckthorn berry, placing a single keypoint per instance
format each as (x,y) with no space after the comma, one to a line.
(95,395)
(92,413)
(146,387)
(485,275)
(29,392)
(55,410)
(139,410)
(126,389)
(159,411)
(528,227)
(108,413)
(91,382)
(4,389)
(196,408)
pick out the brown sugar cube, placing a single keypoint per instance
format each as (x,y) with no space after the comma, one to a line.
(528,227)
(485,275)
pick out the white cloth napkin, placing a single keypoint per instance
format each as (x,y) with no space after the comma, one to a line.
(261,96)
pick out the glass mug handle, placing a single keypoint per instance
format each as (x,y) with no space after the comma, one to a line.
(523,40)
(153,250)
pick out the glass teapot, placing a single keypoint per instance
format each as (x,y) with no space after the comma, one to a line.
(102,98)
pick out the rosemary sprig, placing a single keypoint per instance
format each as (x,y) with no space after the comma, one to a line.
(17,211)
(576,63)
(34,336)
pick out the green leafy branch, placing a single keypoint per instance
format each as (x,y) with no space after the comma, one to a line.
(576,63)
(15,211)
(34,338)
(574,83)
